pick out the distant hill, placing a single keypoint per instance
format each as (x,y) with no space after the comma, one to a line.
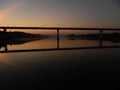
(15,38)
(16,35)
(114,37)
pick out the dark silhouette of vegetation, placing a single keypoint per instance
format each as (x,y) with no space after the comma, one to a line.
(4,43)
(114,37)
(16,35)
(15,38)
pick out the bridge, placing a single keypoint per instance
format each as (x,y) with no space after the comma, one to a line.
(5,28)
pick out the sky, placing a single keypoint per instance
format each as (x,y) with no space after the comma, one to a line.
(60,13)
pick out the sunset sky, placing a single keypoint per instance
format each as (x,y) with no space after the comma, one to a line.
(73,13)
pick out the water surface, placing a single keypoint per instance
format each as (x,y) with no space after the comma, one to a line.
(60,68)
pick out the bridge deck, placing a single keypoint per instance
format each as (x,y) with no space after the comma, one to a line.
(59,28)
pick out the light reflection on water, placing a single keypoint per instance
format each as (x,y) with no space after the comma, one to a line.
(52,43)
(47,68)
(37,44)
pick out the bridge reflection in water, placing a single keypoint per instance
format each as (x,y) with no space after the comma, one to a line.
(57,48)
(5,43)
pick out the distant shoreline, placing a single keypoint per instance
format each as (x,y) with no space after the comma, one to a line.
(114,37)
(18,35)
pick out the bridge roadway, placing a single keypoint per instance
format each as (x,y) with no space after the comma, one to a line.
(56,28)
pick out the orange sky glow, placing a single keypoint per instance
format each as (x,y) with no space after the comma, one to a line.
(60,13)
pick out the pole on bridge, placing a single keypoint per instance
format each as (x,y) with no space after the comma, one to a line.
(101,38)
(6,48)
(58,38)
(5,30)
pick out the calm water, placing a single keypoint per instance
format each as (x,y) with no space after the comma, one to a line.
(60,68)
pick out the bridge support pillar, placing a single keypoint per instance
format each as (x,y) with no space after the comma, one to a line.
(58,38)
(101,38)
(6,48)
(5,30)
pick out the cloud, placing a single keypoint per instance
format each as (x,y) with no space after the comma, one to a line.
(4,13)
